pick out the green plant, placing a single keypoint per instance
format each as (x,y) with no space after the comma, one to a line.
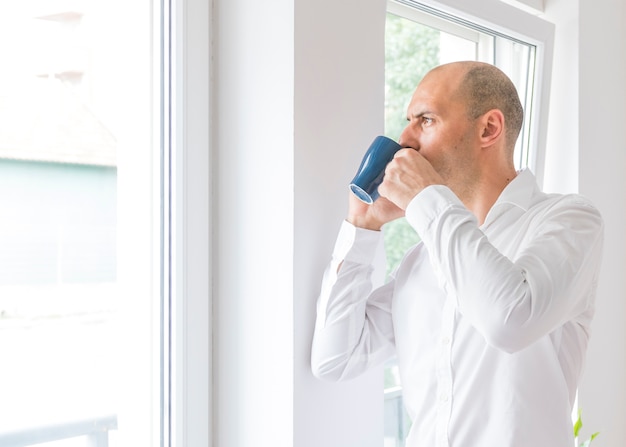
(578,425)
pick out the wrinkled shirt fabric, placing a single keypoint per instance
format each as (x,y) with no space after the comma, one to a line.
(489,324)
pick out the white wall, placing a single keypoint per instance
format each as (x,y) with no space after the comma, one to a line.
(253,305)
(602,152)
(298,96)
(587,153)
(299,91)
(339,109)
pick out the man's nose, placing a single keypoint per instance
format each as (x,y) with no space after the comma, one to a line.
(407,139)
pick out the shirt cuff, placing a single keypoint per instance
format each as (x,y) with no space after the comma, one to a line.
(428,205)
(356,244)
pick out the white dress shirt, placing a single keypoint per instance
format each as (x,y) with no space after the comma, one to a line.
(489,324)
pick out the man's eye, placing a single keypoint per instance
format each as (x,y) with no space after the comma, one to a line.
(427,121)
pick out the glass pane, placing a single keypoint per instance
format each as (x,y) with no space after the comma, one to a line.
(78,306)
(411,50)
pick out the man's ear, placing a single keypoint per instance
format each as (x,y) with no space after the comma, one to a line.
(492,127)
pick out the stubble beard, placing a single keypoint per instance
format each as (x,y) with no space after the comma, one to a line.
(459,171)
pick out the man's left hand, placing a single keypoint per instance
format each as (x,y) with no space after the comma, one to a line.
(406,176)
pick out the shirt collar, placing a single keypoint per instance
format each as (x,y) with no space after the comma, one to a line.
(521,192)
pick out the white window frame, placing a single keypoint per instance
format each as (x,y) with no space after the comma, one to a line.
(187,313)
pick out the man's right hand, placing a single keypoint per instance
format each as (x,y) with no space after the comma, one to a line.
(374,216)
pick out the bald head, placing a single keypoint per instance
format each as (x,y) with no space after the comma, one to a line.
(483,87)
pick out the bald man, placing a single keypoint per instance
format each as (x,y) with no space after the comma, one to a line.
(489,315)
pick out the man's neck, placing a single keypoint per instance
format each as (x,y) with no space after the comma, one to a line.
(480,198)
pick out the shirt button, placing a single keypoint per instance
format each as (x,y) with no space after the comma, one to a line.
(445,341)
(443,398)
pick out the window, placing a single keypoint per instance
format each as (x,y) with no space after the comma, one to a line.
(79,258)
(95,329)
(418,38)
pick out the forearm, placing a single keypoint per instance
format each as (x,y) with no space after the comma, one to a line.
(353,324)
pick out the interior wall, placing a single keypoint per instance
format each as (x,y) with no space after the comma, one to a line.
(253,260)
(299,89)
(339,109)
(602,158)
(586,153)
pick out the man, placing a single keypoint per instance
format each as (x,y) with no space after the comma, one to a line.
(489,316)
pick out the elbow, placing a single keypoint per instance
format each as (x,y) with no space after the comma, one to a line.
(507,339)
(327,370)
(325,374)
(512,334)
(508,332)
(509,326)
(333,366)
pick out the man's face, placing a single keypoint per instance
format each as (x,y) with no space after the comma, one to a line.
(439,127)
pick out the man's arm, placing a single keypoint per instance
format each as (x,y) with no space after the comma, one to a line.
(353,329)
(513,302)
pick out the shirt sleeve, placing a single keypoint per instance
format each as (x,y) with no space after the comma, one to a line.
(513,302)
(353,329)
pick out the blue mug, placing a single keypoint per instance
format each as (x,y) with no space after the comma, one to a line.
(372,170)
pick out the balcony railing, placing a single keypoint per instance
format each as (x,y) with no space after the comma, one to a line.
(96,430)
(397,423)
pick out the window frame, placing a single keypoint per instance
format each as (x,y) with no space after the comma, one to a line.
(186,233)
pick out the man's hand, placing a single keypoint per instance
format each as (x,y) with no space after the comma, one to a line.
(406,176)
(372,217)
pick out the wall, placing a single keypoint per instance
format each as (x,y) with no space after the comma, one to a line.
(253,351)
(339,104)
(602,158)
(299,91)
(586,152)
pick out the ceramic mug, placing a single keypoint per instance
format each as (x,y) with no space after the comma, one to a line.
(372,169)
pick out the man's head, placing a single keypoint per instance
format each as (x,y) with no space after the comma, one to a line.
(463,118)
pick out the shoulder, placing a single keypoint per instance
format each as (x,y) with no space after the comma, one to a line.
(569,201)
(569,210)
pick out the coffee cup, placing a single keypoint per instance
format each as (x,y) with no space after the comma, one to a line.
(372,169)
